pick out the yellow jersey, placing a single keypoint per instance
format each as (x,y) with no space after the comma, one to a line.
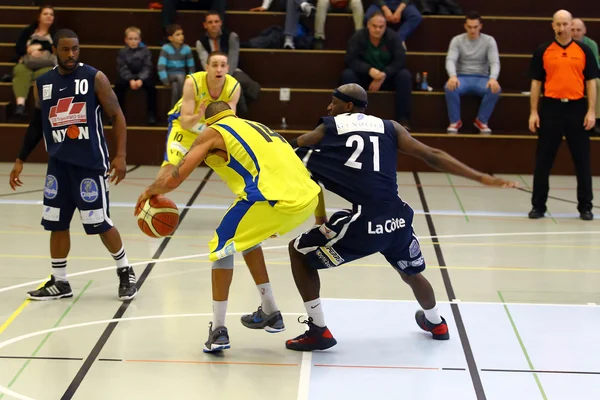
(202,95)
(261,165)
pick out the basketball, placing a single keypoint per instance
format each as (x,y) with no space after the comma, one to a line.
(158,217)
(73,132)
(339,3)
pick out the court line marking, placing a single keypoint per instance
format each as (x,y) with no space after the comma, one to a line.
(18,311)
(520,340)
(531,191)
(259,364)
(304,379)
(538,371)
(457,197)
(460,302)
(8,391)
(45,339)
(383,367)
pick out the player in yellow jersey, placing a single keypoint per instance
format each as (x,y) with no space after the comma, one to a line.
(275,194)
(186,119)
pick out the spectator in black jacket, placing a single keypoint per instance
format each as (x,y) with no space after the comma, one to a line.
(33,56)
(375,59)
(134,65)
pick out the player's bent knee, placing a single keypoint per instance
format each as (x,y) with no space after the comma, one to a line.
(251,249)
(223,263)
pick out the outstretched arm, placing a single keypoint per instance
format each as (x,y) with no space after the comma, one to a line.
(310,138)
(443,161)
(111,106)
(209,140)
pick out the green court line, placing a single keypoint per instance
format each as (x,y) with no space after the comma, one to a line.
(512,322)
(529,188)
(457,197)
(35,352)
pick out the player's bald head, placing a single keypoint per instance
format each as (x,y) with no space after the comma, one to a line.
(354,90)
(562,15)
(215,108)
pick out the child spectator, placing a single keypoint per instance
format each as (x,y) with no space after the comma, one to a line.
(175,58)
(134,65)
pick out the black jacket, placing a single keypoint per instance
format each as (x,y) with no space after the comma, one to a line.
(21,45)
(358,46)
(134,63)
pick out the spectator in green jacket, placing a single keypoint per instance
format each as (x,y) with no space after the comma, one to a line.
(579,33)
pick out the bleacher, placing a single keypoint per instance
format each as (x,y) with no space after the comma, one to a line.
(518,27)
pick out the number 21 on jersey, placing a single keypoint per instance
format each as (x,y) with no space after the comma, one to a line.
(360,147)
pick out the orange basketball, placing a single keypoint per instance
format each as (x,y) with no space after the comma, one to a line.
(339,3)
(73,131)
(158,217)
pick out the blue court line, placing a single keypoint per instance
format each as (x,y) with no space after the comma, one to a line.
(330,210)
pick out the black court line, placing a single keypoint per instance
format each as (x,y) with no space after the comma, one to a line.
(41,190)
(537,371)
(110,359)
(454,369)
(462,332)
(87,364)
(42,358)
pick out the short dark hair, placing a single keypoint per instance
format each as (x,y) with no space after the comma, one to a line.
(216,53)
(213,12)
(376,14)
(471,15)
(64,34)
(171,29)
(215,108)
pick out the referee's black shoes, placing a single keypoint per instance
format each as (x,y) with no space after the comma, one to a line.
(537,214)
(586,215)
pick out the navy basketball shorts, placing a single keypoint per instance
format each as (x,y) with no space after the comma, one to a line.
(69,187)
(353,234)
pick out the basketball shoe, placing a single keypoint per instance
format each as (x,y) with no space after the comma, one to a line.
(272,323)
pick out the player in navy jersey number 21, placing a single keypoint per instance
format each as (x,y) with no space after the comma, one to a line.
(354,155)
(69,101)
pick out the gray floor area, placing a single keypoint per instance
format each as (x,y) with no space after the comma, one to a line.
(519,295)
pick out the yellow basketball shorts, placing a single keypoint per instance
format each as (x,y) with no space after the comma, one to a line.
(179,142)
(246,224)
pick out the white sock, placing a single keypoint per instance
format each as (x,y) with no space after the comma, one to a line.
(266,298)
(59,269)
(433,315)
(219,311)
(314,309)
(306,7)
(120,258)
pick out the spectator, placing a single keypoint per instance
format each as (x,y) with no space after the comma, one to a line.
(134,65)
(175,62)
(579,33)
(218,39)
(396,12)
(293,10)
(170,7)
(473,65)
(323,6)
(34,56)
(375,59)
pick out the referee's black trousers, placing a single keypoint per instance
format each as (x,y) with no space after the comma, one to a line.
(558,119)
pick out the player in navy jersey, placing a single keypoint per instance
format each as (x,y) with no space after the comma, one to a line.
(354,155)
(69,101)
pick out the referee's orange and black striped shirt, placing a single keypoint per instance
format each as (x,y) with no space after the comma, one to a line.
(564,69)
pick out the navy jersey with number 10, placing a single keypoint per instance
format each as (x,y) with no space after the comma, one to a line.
(356,159)
(72,118)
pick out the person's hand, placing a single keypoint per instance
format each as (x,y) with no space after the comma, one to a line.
(141,201)
(489,180)
(397,16)
(493,85)
(590,120)
(139,83)
(387,13)
(118,169)
(376,74)
(534,121)
(375,85)
(132,84)
(452,83)
(258,9)
(14,180)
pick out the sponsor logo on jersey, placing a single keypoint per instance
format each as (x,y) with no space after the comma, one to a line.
(73,131)
(226,251)
(333,255)
(47,92)
(388,226)
(65,112)
(414,249)
(50,187)
(89,190)
(51,214)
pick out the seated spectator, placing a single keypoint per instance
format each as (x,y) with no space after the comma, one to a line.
(175,62)
(579,33)
(170,7)
(473,65)
(401,12)
(293,10)
(375,59)
(134,64)
(216,38)
(324,6)
(34,56)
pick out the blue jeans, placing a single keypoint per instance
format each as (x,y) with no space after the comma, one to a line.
(473,85)
(409,22)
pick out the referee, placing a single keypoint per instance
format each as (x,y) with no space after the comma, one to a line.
(566,69)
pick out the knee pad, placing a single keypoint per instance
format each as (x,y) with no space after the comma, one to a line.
(223,263)
(250,249)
